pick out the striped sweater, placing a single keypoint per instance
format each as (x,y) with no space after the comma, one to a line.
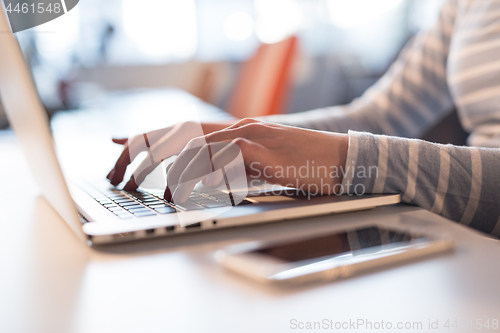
(455,64)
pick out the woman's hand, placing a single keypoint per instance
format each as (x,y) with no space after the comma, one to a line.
(283,155)
(160,145)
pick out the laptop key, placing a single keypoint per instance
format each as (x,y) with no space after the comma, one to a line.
(115,194)
(214,204)
(158,205)
(188,205)
(124,200)
(202,201)
(150,203)
(155,203)
(165,210)
(135,207)
(130,204)
(143,196)
(141,200)
(145,213)
(150,199)
(120,212)
(139,209)
(124,216)
(226,201)
(134,193)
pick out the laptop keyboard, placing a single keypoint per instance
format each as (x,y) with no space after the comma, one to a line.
(141,203)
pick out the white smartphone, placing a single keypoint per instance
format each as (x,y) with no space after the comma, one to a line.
(331,256)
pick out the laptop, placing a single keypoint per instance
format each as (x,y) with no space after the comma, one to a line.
(99,213)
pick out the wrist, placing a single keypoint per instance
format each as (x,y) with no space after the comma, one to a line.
(338,154)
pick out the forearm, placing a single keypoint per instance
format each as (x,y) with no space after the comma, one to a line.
(456,182)
(357,116)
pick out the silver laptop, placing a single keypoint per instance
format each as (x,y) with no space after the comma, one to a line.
(100,213)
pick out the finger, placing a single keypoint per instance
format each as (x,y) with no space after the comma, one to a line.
(223,153)
(119,141)
(230,172)
(244,128)
(202,156)
(145,168)
(213,180)
(110,174)
(197,167)
(217,158)
(134,147)
(167,195)
(181,163)
(168,145)
(178,139)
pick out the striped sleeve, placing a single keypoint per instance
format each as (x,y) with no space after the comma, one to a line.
(459,183)
(407,101)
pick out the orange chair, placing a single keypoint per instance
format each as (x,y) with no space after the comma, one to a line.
(263,83)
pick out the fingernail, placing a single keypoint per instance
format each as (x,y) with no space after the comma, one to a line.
(171,190)
(131,185)
(167,195)
(114,178)
(111,174)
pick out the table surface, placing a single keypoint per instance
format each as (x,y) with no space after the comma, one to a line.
(49,282)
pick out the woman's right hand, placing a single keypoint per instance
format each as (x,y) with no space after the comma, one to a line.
(160,145)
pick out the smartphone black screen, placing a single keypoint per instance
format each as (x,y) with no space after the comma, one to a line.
(369,239)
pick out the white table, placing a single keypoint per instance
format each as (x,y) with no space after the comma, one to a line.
(49,282)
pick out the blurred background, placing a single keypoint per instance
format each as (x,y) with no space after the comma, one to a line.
(214,48)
